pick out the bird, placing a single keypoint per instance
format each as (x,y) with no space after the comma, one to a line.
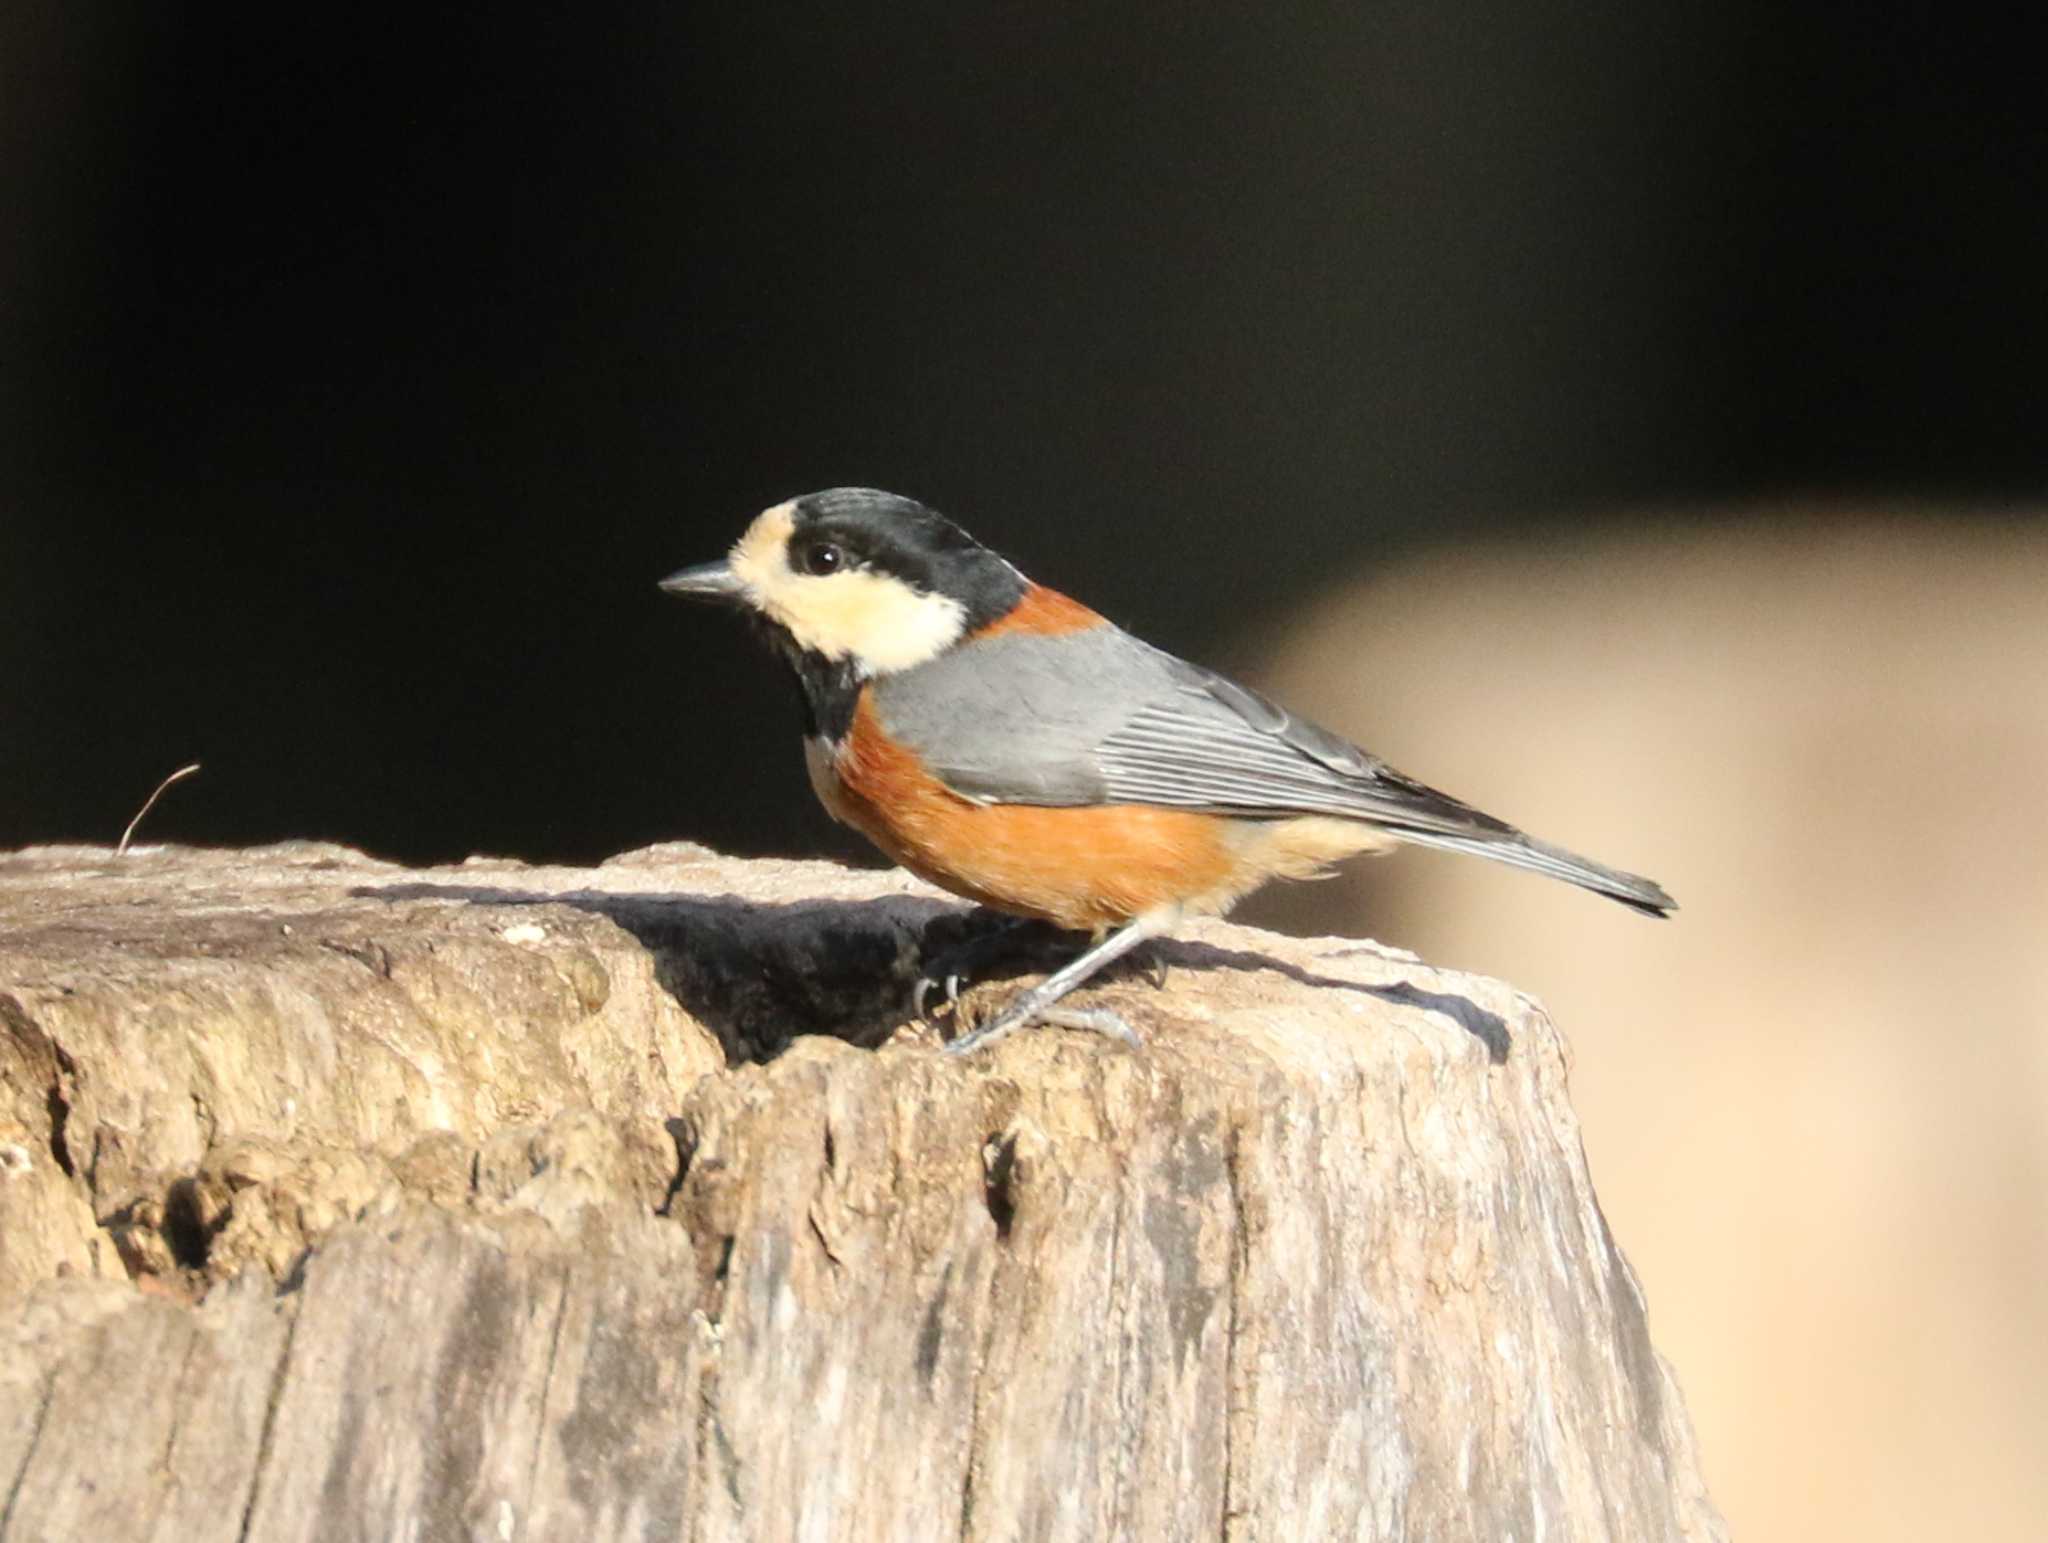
(1012,746)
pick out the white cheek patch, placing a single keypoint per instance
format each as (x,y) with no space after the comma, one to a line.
(877,621)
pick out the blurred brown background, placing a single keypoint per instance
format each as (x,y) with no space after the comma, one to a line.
(1626,417)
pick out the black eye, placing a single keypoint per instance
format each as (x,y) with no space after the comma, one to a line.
(819,558)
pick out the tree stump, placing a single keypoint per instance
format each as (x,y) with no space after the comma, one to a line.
(495,1201)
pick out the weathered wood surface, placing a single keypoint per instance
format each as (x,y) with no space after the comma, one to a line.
(345,1200)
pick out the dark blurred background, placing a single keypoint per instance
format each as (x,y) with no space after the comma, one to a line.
(363,369)
(1627,417)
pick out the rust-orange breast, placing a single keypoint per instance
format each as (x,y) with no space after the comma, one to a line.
(1085,868)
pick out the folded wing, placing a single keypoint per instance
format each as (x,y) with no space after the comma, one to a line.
(1105,718)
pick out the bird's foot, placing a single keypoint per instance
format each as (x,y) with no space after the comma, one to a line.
(1096,1020)
(1040,1004)
(951,969)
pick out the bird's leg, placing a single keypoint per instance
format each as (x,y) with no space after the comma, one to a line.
(965,960)
(1038,1005)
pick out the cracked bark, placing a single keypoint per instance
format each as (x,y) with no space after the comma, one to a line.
(269,1427)
(525,1218)
(28,1452)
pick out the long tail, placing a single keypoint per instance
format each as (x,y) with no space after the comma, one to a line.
(1520,851)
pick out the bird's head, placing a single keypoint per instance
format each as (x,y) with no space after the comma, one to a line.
(866,580)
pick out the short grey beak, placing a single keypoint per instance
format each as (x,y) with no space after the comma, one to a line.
(707,581)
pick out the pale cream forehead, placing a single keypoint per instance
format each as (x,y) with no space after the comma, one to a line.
(768,534)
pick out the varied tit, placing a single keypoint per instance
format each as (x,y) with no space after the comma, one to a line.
(1008,744)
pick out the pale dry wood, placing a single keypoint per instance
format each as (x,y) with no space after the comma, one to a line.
(456,1223)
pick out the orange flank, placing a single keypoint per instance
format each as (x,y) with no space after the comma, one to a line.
(1044,611)
(1082,868)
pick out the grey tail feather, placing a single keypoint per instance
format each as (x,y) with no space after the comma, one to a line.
(1520,851)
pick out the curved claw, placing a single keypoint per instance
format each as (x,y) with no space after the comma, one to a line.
(923,989)
(953,968)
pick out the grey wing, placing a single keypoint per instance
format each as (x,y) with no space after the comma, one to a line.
(1100,717)
(1220,747)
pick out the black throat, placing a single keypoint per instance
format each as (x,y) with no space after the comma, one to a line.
(828,690)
